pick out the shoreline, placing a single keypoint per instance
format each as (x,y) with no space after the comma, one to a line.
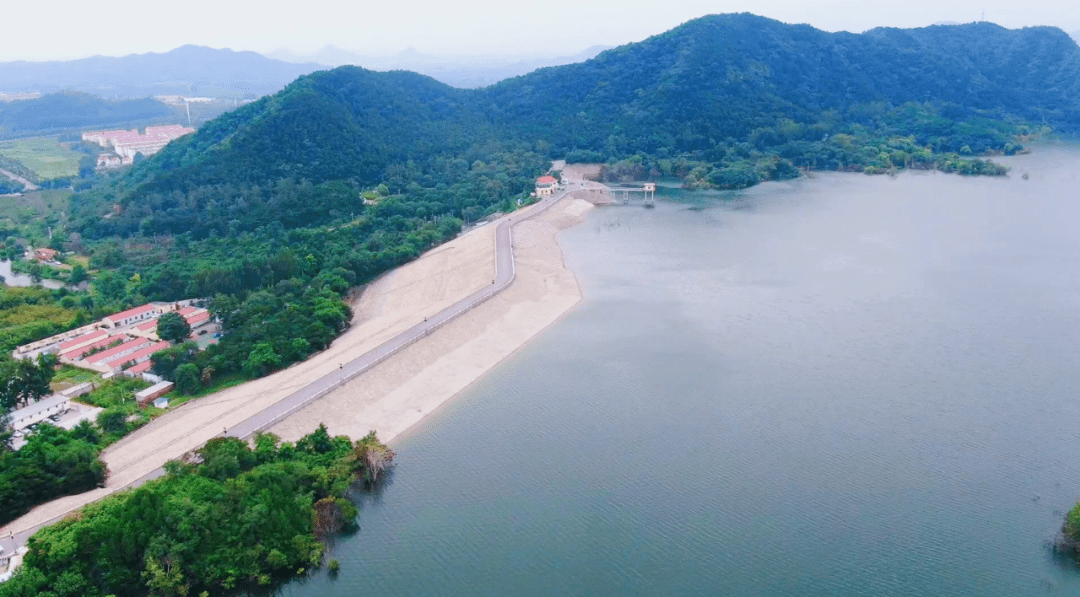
(394,398)
(389,305)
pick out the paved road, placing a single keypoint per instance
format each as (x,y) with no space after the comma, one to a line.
(504,276)
(29,185)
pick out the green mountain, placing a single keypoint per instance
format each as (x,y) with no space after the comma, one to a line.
(737,95)
(725,76)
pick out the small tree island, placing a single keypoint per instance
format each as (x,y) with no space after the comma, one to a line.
(1067,541)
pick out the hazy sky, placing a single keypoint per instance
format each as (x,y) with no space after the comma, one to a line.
(61,29)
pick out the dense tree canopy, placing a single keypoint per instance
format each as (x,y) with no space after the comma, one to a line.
(53,463)
(239,519)
(24,380)
(173,327)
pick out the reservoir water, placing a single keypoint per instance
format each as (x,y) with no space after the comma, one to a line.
(838,386)
(14,279)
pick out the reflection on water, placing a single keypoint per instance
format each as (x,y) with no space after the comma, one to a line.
(844,386)
(16,279)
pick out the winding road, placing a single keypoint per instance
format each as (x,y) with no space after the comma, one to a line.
(504,275)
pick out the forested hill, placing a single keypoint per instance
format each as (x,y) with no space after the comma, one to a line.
(744,95)
(727,75)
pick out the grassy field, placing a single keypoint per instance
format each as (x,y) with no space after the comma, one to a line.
(32,206)
(44,155)
(68,376)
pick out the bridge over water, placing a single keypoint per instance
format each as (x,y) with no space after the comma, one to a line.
(648,192)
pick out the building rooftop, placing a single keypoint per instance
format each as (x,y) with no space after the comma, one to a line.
(75,353)
(161,385)
(193,320)
(83,338)
(141,367)
(43,405)
(546,179)
(131,312)
(138,354)
(112,352)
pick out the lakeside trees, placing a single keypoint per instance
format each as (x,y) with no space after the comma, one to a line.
(239,519)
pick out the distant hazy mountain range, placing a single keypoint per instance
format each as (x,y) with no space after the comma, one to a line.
(187,70)
(1076,35)
(456,71)
(201,71)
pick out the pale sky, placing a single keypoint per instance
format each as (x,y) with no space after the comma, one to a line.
(64,29)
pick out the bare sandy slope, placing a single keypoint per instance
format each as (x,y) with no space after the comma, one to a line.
(397,394)
(402,390)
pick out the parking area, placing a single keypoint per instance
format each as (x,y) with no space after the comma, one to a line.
(66,419)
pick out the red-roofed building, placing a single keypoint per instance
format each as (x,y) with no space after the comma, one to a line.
(545,185)
(139,356)
(44,254)
(83,340)
(125,348)
(197,319)
(130,316)
(76,353)
(142,367)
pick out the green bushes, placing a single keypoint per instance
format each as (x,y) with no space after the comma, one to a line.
(53,463)
(238,520)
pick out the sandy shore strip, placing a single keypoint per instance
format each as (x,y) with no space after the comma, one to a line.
(399,392)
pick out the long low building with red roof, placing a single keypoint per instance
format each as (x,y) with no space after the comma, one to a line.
(198,319)
(125,348)
(77,353)
(130,316)
(142,367)
(139,356)
(140,322)
(82,340)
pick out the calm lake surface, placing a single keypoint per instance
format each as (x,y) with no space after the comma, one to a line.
(839,386)
(14,279)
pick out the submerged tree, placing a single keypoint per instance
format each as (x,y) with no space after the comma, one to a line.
(373,457)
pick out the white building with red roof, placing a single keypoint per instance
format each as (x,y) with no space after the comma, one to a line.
(83,340)
(546,185)
(76,354)
(141,355)
(118,351)
(147,311)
